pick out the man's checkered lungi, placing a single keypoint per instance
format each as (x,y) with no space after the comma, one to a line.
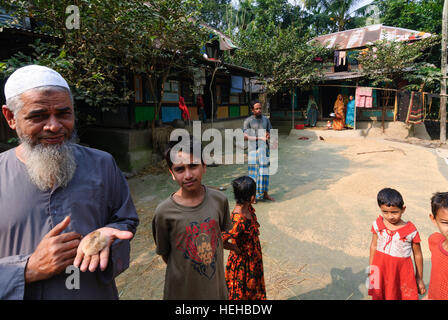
(258,161)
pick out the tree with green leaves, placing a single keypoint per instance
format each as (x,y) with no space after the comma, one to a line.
(412,14)
(417,15)
(387,62)
(115,38)
(280,55)
(272,40)
(213,12)
(240,18)
(339,14)
(319,22)
(175,46)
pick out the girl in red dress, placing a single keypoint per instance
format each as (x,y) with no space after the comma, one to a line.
(244,269)
(393,242)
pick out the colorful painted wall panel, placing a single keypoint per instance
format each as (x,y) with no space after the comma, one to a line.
(144,113)
(171,113)
(234,111)
(222,112)
(244,110)
(193,113)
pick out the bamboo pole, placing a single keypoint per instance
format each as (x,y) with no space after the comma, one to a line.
(396,106)
(347,86)
(292,108)
(443,69)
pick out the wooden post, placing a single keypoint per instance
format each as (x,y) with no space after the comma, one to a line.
(443,69)
(383,115)
(292,107)
(354,118)
(424,106)
(396,106)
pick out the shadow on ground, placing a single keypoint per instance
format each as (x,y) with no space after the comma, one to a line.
(344,286)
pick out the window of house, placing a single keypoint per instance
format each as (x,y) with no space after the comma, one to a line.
(234,98)
(224,94)
(218,94)
(243,97)
(138,88)
(147,93)
(171,91)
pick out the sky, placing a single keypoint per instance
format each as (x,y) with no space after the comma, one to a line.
(362,3)
(359,5)
(295,2)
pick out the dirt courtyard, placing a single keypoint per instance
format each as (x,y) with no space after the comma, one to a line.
(315,238)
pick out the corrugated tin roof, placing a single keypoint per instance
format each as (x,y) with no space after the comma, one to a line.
(361,37)
(342,75)
(225,43)
(7,22)
(241,69)
(27,31)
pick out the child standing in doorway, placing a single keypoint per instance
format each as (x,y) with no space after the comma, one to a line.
(244,270)
(393,242)
(438,245)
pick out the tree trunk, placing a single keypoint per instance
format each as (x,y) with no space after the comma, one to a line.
(157,111)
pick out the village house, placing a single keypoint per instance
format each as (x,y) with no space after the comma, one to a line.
(343,75)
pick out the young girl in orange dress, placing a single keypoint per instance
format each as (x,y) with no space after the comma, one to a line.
(244,269)
(393,242)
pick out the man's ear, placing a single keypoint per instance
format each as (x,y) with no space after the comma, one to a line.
(9,116)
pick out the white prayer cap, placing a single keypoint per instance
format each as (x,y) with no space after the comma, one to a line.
(30,77)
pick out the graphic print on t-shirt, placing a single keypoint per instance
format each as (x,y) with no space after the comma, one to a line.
(199,243)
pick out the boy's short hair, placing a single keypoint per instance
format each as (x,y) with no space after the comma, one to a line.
(439,200)
(243,189)
(192,142)
(390,197)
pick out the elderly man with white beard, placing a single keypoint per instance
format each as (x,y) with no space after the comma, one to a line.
(53,195)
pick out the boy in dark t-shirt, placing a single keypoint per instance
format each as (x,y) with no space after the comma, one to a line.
(187,230)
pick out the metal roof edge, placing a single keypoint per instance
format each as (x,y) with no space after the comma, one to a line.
(333,33)
(381,27)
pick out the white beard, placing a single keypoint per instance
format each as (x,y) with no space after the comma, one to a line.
(49,165)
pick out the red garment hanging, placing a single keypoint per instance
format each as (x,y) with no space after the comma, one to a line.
(184,109)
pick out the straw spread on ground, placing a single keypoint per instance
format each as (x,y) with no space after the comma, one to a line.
(315,238)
